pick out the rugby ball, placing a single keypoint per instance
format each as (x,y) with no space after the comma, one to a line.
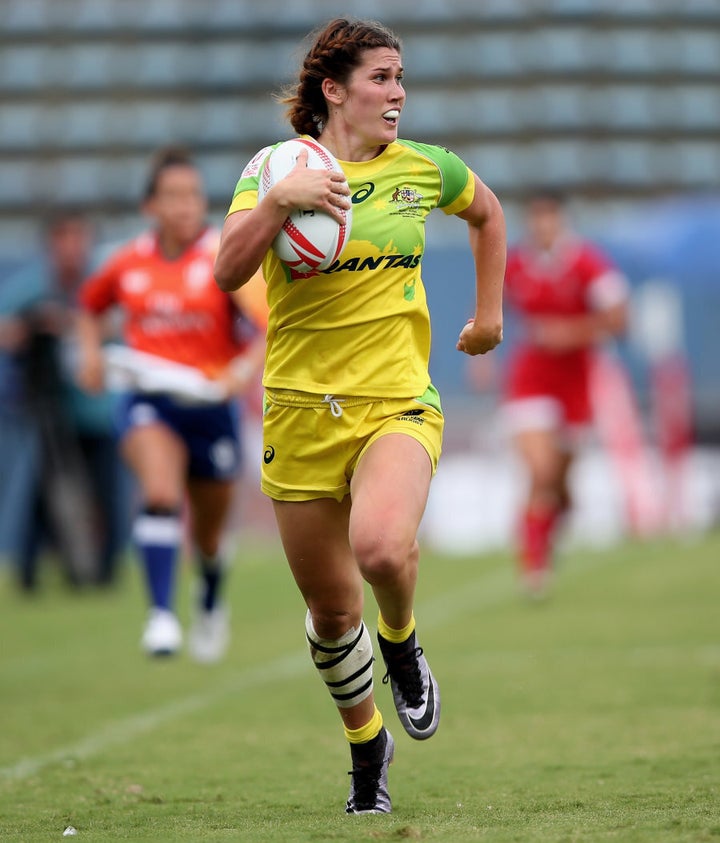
(309,240)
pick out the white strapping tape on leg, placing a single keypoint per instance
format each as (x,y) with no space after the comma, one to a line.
(345,665)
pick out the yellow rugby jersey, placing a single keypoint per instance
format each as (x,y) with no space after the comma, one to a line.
(362,326)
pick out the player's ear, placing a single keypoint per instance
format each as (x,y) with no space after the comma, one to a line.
(333,92)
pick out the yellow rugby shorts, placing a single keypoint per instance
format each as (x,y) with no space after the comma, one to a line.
(312,443)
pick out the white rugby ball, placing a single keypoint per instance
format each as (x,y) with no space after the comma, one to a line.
(310,240)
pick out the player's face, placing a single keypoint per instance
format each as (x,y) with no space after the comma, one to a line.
(374,97)
(178,205)
(545,222)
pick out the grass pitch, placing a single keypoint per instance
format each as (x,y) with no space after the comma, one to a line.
(592,716)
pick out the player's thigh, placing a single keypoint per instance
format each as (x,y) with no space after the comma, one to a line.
(315,539)
(158,458)
(390,488)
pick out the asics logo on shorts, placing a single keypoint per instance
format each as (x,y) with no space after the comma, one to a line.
(413,416)
(268,454)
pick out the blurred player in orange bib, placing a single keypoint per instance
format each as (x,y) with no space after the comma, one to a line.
(191,350)
(567,297)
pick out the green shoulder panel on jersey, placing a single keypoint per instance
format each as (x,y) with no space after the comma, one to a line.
(453,170)
(250,176)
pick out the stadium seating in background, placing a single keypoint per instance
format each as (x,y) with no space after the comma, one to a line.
(615,101)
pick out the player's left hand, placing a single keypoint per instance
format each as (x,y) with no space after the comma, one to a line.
(479,338)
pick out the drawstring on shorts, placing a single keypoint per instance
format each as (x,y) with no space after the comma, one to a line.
(335,408)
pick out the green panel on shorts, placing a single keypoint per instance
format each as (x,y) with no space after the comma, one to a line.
(431,397)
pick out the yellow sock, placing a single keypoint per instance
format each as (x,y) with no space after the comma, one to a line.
(396,636)
(367,732)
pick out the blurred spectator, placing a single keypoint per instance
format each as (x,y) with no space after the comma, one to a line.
(62,481)
(567,298)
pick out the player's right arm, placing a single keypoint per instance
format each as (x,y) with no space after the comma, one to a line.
(245,240)
(249,229)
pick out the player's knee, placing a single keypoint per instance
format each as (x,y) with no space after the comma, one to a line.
(331,623)
(383,558)
(162,501)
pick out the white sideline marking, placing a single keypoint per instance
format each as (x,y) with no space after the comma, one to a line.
(123,730)
(485,591)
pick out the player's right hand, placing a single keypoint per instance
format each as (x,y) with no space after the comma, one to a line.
(306,187)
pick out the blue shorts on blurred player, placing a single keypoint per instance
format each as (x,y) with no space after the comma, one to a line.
(210,431)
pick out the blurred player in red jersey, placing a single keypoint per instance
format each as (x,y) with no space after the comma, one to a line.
(567,297)
(177,444)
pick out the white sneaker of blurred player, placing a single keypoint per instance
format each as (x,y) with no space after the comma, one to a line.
(162,635)
(209,634)
(536,585)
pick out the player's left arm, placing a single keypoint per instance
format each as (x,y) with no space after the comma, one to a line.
(488,242)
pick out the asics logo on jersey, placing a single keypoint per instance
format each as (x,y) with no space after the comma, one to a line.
(268,454)
(362,193)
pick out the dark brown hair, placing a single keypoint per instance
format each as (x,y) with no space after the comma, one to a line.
(336,51)
(546,193)
(57,216)
(163,159)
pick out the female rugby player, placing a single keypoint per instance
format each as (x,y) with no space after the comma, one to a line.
(353,424)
